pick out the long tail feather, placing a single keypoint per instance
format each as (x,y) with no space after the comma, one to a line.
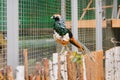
(76,43)
(82,47)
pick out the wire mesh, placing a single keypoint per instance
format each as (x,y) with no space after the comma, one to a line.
(3,33)
(35,29)
(86,35)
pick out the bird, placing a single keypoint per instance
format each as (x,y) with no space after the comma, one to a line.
(114,41)
(62,34)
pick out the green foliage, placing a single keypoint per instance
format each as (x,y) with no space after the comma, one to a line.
(76,58)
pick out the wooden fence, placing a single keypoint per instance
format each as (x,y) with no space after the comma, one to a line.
(62,68)
(112,64)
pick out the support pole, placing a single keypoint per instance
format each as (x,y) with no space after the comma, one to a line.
(114,9)
(12,33)
(74,12)
(98,24)
(63,9)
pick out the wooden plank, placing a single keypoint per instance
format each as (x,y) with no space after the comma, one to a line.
(112,64)
(94,70)
(55,66)
(116,23)
(9,73)
(71,68)
(1,75)
(25,53)
(92,23)
(59,67)
(51,70)
(86,24)
(63,66)
(20,73)
(46,68)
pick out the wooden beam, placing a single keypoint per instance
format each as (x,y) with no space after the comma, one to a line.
(92,23)
(116,23)
(86,24)
(93,8)
(85,10)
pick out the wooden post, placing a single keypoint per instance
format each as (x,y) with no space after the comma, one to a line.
(38,72)
(63,66)
(20,73)
(112,64)
(94,70)
(59,68)
(51,70)
(1,75)
(71,69)
(55,66)
(46,68)
(9,73)
(25,53)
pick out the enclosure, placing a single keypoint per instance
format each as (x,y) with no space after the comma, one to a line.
(26,24)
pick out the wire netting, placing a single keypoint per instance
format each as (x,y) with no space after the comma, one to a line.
(86,35)
(3,33)
(35,29)
(36,33)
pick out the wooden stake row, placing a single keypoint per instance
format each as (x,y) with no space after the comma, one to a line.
(62,68)
(6,74)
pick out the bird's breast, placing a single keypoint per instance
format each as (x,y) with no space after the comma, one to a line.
(62,38)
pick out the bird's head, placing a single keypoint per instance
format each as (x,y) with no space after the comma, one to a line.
(56,17)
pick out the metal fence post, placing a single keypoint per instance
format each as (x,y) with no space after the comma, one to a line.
(115,7)
(74,14)
(98,24)
(63,9)
(12,33)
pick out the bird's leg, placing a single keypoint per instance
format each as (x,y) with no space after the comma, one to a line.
(62,50)
(67,48)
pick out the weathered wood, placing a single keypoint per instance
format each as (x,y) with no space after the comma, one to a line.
(94,70)
(84,69)
(51,70)
(9,73)
(20,73)
(55,66)
(25,53)
(38,71)
(112,64)
(71,69)
(46,68)
(63,67)
(59,67)
(1,75)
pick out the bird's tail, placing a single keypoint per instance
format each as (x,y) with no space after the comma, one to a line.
(82,47)
(79,45)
